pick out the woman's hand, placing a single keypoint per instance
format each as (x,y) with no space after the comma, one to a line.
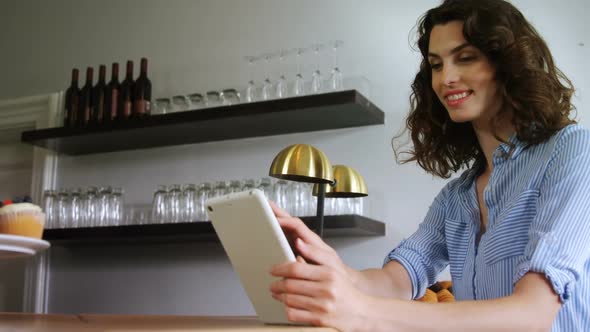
(321,292)
(309,245)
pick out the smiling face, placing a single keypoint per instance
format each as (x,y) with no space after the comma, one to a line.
(462,76)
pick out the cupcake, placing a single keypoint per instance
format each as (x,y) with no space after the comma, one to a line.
(24,219)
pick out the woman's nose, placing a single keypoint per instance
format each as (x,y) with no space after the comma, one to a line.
(450,75)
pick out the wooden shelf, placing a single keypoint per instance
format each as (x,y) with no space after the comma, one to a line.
(334,226)
(342,109)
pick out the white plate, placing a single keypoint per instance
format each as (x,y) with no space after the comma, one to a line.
(12,246)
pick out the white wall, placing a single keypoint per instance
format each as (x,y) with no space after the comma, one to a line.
(196,46)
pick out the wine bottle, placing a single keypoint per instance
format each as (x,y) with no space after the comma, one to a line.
(112,96)
(143,92)
(85,101)
(98,96)
(126,94)
(71,107)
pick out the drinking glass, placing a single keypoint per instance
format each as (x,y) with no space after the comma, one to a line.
(235,186)
(267,86)
(203,194)
(299,82)
(75,208)
(266,187)
(249,184)
(219,189)
(213,99)
(62,206)
(90,205)
(163,106)
(159,208)
(280,194)
(104,206)
(49,206)
(281,85)
(189,193)
(181,102)
(358,206)
(251,88)
(116,206)
(174,204)
(299,198)
(230,97)
(336,80)
(197,100)
(316,77)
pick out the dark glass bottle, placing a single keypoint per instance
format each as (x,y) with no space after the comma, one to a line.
(98,97)
(143,92)
(112,96)
(85,101)
(126,94)
(71,107)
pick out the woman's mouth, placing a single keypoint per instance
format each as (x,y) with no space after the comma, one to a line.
(456,99)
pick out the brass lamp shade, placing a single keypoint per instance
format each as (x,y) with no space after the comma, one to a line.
(302,163)
(349,183)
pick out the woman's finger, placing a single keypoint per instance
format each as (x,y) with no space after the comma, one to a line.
(278,211)
(303,316)
(299,302)
(296,286)
(319,255)
(299,270)
(296,227)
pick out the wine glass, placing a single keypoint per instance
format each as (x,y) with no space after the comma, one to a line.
(299,82)
(336,80)
(267,85)
(251,89)
(281,85)
(316,76)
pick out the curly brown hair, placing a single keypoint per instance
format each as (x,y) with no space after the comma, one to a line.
(534,91)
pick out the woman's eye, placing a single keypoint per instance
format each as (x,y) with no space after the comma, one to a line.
(466,58)
(435,66)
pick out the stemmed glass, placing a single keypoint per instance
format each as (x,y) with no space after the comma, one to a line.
(299,82)
(281,85)
(316,77)
(336,80)
(267,85)
(251,89)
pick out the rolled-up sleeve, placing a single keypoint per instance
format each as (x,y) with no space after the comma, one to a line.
(424,254)
(559,237)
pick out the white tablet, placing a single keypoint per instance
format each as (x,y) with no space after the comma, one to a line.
(254,242)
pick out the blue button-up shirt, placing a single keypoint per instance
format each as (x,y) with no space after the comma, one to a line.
(538,201)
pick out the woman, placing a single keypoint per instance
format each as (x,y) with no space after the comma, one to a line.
(513,228)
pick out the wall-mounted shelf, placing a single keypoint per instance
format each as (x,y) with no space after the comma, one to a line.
(342,109)
(334,226)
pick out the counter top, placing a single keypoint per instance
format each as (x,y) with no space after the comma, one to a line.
(20,322)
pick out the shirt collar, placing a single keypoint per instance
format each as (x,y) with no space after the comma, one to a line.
(518,146)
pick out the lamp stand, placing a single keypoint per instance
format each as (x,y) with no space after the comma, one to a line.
(320,211)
